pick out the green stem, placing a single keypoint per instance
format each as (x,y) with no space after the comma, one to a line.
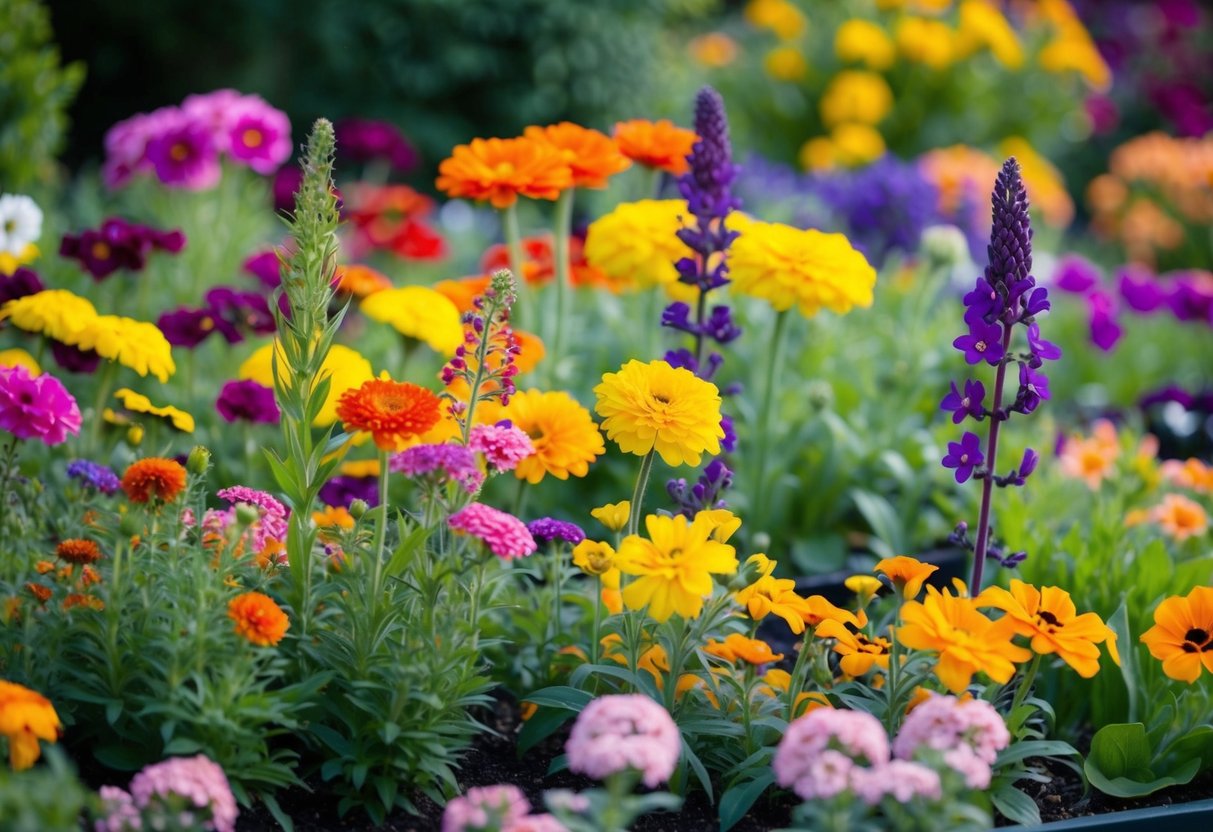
(477,589)
(558,602)
(893,681)
(763,434)
(596,633)
(656,180)
(642,482)
(563,230)
(9,463)
(677,656)
(380,530)
(1025,685)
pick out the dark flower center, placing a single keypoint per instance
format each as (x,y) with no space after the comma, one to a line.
(1196,635)
(1049,618)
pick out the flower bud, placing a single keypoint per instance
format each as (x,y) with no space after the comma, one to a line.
(130,525)
(134,434)
(199,460)
(358,508)
(247,514)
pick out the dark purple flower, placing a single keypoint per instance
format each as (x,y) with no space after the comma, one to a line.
(364,140)
(728,443)
(1166,395)
(1010,248)
(93,475)
(1191,297)
(982,304)
(964,456)
(1105,330)
(549,529)
(677,316)
(118,244)
(969,404)
(1042,349)
(266,267)
(1076,275)
(341,491)
(19,284)
(247,401)
(983,343)
(241,310)
(1026,466)
(1033,387)
(184,155)
(720,327)
(1140,290)
(286,184)
(188,328)
(74,359)
(1036,302)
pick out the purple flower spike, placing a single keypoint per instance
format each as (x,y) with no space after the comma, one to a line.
(983,343)
(720,327)
(970,404)
(982,304)
(964,456)
(1033,388)
(1042,349)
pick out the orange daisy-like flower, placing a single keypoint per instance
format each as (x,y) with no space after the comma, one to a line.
(152,477)
(501,170)
(1050,619)
(860,652)
(464,291)
(1180,517)
(391,411)
(565,437)
(74,550)
(656,144)
(1182,635)
(26,717)
(538,259)
(906,573)
(333,517)
(258,618)
(77,599)
(360,281)
(737,647)
(42,593)
(591,156)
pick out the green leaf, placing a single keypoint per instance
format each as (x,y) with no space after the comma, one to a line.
(1036,748)
(561,696)
(882,518)
(1197,744)
(1119,622)
(696,764)
(120,757)
(542,724)
(737,800)
(409,545)
(1119,763)
(1015,805)
(1125,787)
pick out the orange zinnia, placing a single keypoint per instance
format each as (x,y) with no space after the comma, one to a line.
(391,411)
(656,144)
(501,170)
(78,551)
(26,716)
(153,477)
(591,156)
(258,618)
(538,259)
(1181,517)
(360,281)
(464,291)
(1182,635)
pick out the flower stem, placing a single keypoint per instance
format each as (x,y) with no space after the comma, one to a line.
(763,434)
(564,229)
(987,483)
(1025,685)
(380,530)
(7,465)
(558,601)
(597,619)
(642,482)
(104,382)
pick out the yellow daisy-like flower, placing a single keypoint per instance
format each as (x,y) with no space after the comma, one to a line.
(1048,616)
(862,41)
(865,587)
(923,41)
(856,144)
(135,344)
(859,651)
(346,368)
(20,358)
(654,406)
(779,16)
(673,566)
(789,266)
(737,647)
(983,26)
(613,515)
(418,312)
(594,557)
(1182,635)
(359,468)
(769,594)
(139,403)
(855,96)
(9,261)
(563,432)
(636,244)
(785,63)
(55,313)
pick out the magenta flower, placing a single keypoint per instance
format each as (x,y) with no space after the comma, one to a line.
(439,463)
(266,267)
(616,734)
(970,404)
(184,155)
(364,140)
(286,184)
(216,111)
(36,407)
(983,343)
(1105,329)
(118,244)
(1076,275)
(248,401)
(126,144)
(259,136)
(505,535)
(502,444)
(964,456)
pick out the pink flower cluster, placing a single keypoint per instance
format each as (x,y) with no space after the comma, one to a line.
(504,534)
(626,732)
(192,791)
(501,807)
(271,525)
(502,444)
(819,752)
(183,145)
(968,735)
(36,407)
(901,780)
(437,463)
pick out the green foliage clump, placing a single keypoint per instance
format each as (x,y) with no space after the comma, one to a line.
(48,798)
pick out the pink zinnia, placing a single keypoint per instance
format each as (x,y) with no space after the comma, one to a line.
(259,136)
(617,733)
(216,111)
(502,444)
(197,780)
(36,407)
(505,535)
(818,752)
(485,805)
(184,154)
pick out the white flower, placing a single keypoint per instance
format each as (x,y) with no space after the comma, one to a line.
(20,223)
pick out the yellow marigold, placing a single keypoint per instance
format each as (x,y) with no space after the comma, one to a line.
(20,358)
(501,170)
(817,154)
(778,16)
(418,312)
(591,156)
(924,41)
(139,345)
(361,281)
(855,96)
(75,550)
(780,681)
(673,566)
(25,718)
(785,63)
(55,313)
(10,261)
(656,144)
(1182,635)
(737,647)
(1048,616)
(714,49)
(152,477)
(768,594)
(333,517)
(636,243)
(1072,49)
(613,515)
(907,574)
(967,642)
(565,437)
(862,41)
(346,369)
(983,26)
(258,618)
(359,468)
(865,587)
(789,266)
(138,403)
(656,407)
(856,144)
(391,411)
(594,557)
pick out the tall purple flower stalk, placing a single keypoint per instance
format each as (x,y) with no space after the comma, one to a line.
(707,188)
(1006,296)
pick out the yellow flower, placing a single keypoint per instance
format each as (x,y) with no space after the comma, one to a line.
(779,681)
(20,358)
(636,243)
(55,313)
(715,49)
(855,96)
(785,63)
(737,647)
(25,718)
(778,16)
(769,594)
(1048,616)
(856,144)
(925,41)
(789,266)
(9,261)
(359,468)
(135,344)
(817,154)
(1072,50)
(138,403)
(346,368)
(333,517)
(865,587)
(1182,635)
(982,25)
(595,557)
(907,574)
(565,437)
(860,652)
(724,523)
(673,566)
(613,515)
(654,406)
(864,42)
(967,641)
(418,312)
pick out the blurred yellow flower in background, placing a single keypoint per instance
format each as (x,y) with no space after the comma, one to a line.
(983,26)
(855,96)
(636,243)
(781,17)
(715,49)
(862,41)
(923,41)
(785,63)
(420,313)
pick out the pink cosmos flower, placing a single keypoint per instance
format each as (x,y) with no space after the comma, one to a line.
(817,755)
(217,111)
(259,135)
(502,444)
(505,535)
(36,407)
(501,805)
(617,733)
(184,154)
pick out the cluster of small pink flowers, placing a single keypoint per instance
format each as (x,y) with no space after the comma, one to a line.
(502,444)
(438,462)
(620,733)
(504,534)
(272,524)
(484,805)
(818,756)
(486,328)
(968,735)
(900,779)
(183,145)
(36,407)
(536,823)
(192,791)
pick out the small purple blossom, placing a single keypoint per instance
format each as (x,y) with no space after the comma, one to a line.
(94,475)
(1106,331)
(549,529)
(342,490)
(266,267)
(1140,290)
(982,343)
(248,401)
(1042,349)
(365,140)
(1033,388)
(1076,275)
(964,456)
(441,461)
(982,304)
(968,404)
(706,493)
(74,359)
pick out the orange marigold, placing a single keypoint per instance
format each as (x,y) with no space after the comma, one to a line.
(42,593)
(591,156)
(153,477)
(501,170)
(391,411)
(258,618)
(463,292)
(74,550)
(77,599)
(656,144)
(26,716)
(360,281)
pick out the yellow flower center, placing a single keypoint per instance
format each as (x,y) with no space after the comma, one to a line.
(252,138)
(100,251)
(179,152)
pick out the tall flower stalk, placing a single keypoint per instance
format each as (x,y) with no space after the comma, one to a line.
(1005,297)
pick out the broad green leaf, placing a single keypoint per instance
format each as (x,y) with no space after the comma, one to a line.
(737,800)
(1015,805)
(1121,750)
(561,696)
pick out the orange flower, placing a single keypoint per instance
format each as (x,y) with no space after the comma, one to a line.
(333,517)
(78,551)
(737,647)
(538,259)
(89,576)
(464,291)
(906,573)
(44,566)
(1191,473)
(591,156)
(153,477)
(391,411)
(769,594)
(859,651)
(360,281)
(1049,618)
(42,593)
(656,144)
(1182,635)
(501,170)
(258,618)
(25,718)
(1180,517)
(77,599)
(780,681)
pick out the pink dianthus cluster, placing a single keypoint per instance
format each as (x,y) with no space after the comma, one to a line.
(36,407)
(900,779)
(969,736)
(819,753)
(159,789)
(500,805)
(502,444)
(617,733)
(505,535)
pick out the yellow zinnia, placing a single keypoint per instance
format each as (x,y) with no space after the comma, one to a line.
(907,574)
(856,145)
(565,437)
(20,358)
(785,63)
(925,41)
(855,96)
(636,244)
(345,368)
(418,312)
(789,266)
(55,313)
(865,42)
(673,566)
(781,17)
(656,407)
(139,345)
(139,403)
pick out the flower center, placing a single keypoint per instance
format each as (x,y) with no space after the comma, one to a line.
(100,251)
(964,459)
(1197,636)
(179,152)
(980,346)
(661,398)
(965,402)
(252,138)
(503,169)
